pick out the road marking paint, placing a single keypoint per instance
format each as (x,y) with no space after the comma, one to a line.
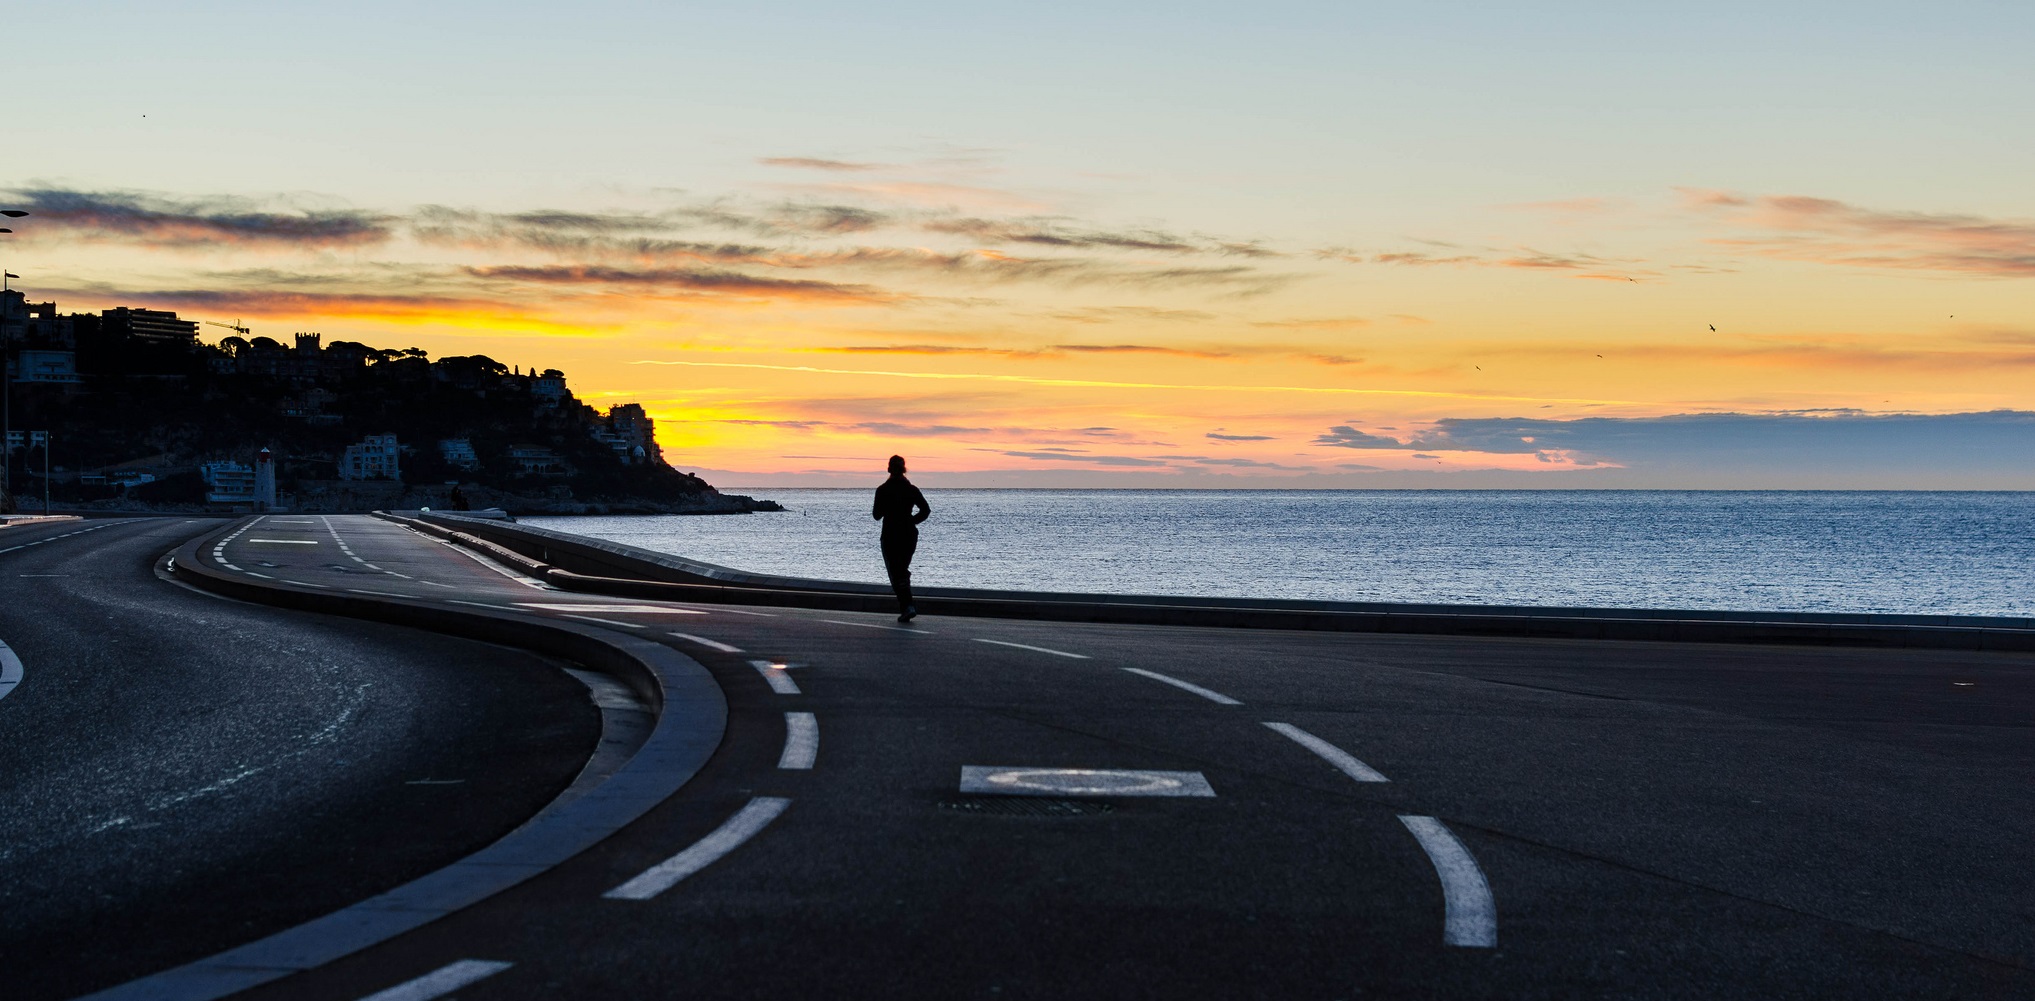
(605,622)
(250,573)
(1007,781)
(481,604)
(382,594)
(434,583)
(780,682)
(875,625)
(287,542)
(1037,649)
(294,521)
(1186,686)
(565,606)
(441,981)
(745,824)
(801,741)
(10,670)
(306,583)
(1471,917)
(739,611)
(504,571)
(709,644)
(1343,760)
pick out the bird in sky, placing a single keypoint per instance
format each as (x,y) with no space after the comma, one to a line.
(1713,328)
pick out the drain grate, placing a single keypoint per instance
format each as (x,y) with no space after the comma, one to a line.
(1025,806)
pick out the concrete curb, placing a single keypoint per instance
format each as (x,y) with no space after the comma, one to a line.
(598,566)
(692,716)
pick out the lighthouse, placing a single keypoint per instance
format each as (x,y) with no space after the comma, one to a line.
(264,481)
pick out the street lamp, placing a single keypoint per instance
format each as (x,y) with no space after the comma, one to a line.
(7,394)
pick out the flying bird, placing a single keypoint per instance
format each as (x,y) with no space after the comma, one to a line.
(1713,328)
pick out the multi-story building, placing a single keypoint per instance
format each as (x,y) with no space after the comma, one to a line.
(159,325)
(228,482)
(376,457)
(536,460)
(632,434)
(458,453)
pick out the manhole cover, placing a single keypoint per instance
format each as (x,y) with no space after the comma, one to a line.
(1025,806)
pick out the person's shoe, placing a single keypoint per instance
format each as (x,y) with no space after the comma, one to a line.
(908,614)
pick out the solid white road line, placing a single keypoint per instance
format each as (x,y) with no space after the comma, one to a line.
(482,604)
(709,644)
(587,606)
(287,542)
(605,622)
(801,741)
(10,671)
(1330,753)
(780,682)
(1471,916)
(745,824)
(1035,649)
(1186,686)
(441,981)
(875,625)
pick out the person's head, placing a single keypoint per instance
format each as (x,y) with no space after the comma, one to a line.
(897,465)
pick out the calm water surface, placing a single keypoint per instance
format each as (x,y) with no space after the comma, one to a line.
(1942,553)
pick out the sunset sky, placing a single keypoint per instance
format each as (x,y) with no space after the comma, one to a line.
(1269,244)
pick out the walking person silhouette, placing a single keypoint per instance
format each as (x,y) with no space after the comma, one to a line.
(900,507)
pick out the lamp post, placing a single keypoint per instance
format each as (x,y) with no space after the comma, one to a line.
(7,392)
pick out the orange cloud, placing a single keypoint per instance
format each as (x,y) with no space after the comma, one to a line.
(1824,231)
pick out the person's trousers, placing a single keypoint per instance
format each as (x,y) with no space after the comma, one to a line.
(897,561)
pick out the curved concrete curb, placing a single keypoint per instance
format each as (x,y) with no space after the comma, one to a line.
(604,567)
(692,717)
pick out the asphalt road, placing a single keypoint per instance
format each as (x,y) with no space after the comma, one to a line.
(180,773)
(1648,820)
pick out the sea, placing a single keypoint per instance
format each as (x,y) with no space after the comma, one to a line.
(1951,553)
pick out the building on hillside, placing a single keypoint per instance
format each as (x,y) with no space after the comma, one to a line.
(632,434)
(46,366)
(376,457)
(458,453)
(536,460)
(228,482)
(160,325)
(549,388)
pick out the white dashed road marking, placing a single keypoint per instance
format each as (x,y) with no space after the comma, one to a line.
(709,644)
(1471,918)
(1008,781)
(441,981)
(745,824)
(1035,649)
(1185,686)
(1330,753)
(780,682)
(801,741)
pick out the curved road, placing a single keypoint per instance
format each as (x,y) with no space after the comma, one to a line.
(180,773)
(1555,818)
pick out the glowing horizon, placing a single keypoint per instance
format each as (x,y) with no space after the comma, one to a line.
(1012,292)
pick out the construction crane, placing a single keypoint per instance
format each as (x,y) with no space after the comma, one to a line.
(234,326)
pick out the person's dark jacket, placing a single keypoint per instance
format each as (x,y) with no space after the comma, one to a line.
(900,506)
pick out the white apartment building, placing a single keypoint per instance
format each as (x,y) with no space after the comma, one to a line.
(375,457)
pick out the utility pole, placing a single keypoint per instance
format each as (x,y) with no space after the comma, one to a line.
(42,438)
(7,392)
